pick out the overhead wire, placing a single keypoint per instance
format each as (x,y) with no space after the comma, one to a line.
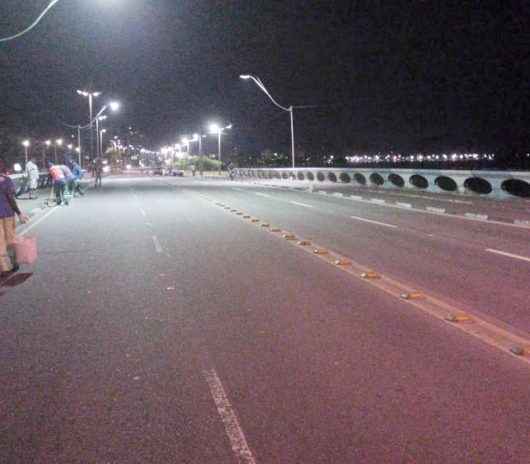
(32,25)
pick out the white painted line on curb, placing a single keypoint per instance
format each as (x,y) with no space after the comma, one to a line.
(228,416)
(301,204)
(143,212)
(481,217)
(434,209)
(158,247)
(37,222)
(378,201)
(374,222)
(404,205)
(265,195)
(521,222)
(509,255)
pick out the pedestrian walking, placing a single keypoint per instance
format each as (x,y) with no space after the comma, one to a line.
(32,174)
(58,182)
(98,171)
(78,173)
(8,211)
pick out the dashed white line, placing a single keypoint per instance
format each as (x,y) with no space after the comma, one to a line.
(374,222)
(305,205)
(233,429)
(38,221)
(158,247)
(509,255)
(259,194)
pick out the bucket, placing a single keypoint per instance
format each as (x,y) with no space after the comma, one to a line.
(26,250)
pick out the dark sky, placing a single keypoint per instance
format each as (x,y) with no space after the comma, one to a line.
(386,75)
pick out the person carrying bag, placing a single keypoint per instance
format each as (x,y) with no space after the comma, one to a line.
(8,210)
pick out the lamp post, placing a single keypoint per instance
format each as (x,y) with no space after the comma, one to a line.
(101,132)
(90,96)
(114,106)
(26,145)
(289,109)
(215,129)
(46,145)
(58,143)
(98,119)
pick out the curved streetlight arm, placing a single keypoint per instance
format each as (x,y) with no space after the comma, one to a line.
(260,84)
(32,25)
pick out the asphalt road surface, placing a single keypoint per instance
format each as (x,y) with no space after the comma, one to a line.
(159,327)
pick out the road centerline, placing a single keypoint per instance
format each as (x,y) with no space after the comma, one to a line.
(384,224)
(509,255)
(305,205)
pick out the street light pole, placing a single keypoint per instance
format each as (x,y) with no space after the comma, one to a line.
(289,109)
(216,129)
(79,146)
(90,96)
(26,145)
(101,132)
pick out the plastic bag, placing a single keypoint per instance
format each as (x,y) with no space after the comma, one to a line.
(26,250)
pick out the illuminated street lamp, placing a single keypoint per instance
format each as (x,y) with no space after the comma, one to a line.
(186,142)
(289,109)
(114,106)
(90,96)
(26,145)
(216,129)
(58,143)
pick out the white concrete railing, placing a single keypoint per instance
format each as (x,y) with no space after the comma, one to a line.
(499,184)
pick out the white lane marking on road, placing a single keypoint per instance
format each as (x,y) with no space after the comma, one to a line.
(143,212)
(158,247)
(239,189)
(265,195)
(509,255)
(424,211)
(37,222)
(374,222)
(228,416)
(305,205)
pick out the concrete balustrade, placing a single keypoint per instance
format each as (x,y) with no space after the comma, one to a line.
(498,184)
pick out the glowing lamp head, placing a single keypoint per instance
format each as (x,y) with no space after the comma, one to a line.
(48,143)
(59,142)
(25,143)
(214,128)
(114,106)
(244,76)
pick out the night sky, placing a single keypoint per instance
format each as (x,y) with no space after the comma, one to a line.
(405,76)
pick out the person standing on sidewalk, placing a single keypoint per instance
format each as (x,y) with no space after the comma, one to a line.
(8,210)
(32,173)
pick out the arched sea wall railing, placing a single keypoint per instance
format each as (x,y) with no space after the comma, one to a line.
(498,184)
